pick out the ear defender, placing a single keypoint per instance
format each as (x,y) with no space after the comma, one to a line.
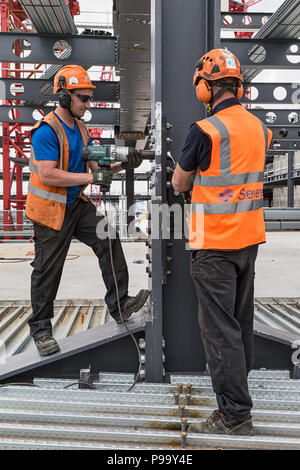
(240,91)
(204,91)
(64,98)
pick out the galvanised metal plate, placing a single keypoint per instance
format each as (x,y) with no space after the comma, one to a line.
(32,114)
(35,417)
(33,89)
(50,16)
(101,50)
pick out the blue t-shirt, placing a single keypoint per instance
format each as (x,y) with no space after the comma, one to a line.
(46,147)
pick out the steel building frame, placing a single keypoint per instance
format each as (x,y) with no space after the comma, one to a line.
(180,33)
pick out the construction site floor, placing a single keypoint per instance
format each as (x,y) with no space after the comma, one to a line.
(277,269)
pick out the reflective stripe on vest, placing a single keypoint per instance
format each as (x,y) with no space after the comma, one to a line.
(227,207)
(226,178)
(227,198)
(84,130)
(47,194)
(32,166)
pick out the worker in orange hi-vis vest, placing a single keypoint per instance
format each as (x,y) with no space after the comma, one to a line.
(60,211)
(225,154)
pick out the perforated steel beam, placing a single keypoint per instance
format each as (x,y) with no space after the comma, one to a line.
(88,50)
(241,21)
(280,117)
(37,89)
(264,53)
(24,115)
(276,93)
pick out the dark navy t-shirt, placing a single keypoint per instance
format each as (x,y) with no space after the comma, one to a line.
(196,151)
(46,147)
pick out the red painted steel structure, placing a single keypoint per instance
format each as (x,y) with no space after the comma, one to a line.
(14,135)
(12,17)
(242,7)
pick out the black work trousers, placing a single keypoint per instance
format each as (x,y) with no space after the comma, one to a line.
(51,248)
(224,282)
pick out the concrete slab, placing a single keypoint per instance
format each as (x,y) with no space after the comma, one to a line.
(278,266)
(81,278)
(277,269)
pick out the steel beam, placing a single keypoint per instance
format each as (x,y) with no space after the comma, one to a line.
(244,21)
(266,92)
(37,89)
(278,116)
(24,115)
(85,50)
(264,53)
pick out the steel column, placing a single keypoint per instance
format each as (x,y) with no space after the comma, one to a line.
(290,182)
(180,31)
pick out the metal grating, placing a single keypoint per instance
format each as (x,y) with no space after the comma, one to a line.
(151,416)
(70,318)
(50,16)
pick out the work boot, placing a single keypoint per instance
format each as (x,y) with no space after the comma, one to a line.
(46,345)
(131,305)
(218,423)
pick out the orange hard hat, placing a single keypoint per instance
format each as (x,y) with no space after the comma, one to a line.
(71,77)
(217,64)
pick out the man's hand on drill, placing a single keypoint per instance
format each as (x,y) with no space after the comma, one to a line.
(133,162)
(102,177)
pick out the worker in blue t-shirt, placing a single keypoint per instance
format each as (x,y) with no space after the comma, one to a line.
(60,211)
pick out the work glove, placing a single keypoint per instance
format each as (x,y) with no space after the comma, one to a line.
(133,162)
(102,177)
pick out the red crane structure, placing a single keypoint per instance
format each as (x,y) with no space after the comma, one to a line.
(242,7)
(15,135)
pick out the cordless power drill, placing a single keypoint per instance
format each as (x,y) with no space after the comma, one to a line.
(104,155)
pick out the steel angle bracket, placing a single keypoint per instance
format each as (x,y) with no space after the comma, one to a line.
(39,49)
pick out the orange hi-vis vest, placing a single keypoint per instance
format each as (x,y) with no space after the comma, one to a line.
(227,198)
(45,204)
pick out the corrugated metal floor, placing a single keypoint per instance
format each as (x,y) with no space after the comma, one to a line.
(73,317)
(151,416)
(70,317)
